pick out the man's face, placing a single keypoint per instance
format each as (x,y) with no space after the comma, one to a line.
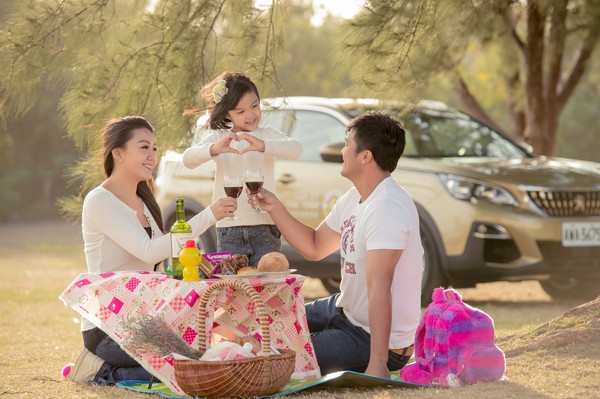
(351,159)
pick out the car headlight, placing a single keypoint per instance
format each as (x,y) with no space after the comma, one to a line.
(466,189)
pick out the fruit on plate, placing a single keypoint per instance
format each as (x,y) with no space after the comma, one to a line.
(273,262)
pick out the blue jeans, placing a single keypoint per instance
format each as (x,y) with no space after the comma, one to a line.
(339,344)
(252,241)
(118,365)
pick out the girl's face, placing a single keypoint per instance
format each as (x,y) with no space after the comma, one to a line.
(138,157)
(246,115)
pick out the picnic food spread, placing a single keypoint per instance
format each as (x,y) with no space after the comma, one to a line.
(239,264)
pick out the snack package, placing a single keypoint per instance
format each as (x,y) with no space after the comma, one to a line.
(210,262)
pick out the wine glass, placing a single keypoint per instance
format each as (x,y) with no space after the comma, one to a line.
(254,181)
(233,186)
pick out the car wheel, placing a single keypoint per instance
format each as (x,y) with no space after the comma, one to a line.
(433,276)
(571,288)
(331,284)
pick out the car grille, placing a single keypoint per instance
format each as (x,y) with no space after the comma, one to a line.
(566,203)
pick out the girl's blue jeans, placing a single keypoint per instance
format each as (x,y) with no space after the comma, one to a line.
(339,344)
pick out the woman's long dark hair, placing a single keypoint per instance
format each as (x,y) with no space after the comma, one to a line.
(116,133)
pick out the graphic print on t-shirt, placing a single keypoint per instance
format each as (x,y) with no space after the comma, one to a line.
(348,244)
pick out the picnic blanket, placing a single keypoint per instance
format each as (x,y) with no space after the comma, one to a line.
(340,379)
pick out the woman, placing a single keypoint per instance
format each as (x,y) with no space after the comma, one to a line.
(123,230)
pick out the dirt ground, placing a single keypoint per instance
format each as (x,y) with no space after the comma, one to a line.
(552,347)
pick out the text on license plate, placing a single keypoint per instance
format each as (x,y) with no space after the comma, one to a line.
(581,234)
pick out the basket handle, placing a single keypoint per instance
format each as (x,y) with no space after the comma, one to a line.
(254,297)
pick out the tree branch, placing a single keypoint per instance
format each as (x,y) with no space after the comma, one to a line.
(471,104)
(556,44)
(581,65)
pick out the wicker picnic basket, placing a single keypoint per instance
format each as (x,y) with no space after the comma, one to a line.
(257,376)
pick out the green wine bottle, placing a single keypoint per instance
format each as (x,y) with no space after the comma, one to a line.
(181,231)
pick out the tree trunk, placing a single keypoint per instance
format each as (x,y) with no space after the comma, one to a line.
(534,55)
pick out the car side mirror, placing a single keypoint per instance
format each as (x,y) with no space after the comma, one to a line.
(332,152)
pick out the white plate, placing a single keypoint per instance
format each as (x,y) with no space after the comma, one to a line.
(226,276)
(282,273)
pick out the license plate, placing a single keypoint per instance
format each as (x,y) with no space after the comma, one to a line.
(581,234)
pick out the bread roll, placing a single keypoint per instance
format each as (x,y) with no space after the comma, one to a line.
(247,270)
(273,262)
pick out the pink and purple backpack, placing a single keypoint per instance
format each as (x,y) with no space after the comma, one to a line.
(454,344)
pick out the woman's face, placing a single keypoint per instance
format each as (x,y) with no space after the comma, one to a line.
(246,115)
(138,157)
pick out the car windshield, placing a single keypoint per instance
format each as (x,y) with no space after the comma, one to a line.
(446,133)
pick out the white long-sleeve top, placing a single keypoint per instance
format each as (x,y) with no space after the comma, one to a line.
(277,145)
(115,240)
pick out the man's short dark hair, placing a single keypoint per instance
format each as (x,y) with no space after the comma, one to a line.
(382,134)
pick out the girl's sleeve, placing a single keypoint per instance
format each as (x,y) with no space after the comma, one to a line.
(281,145)
(196,155)
(104,216)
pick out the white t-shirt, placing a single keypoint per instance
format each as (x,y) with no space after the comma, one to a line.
(387,219)
(115,240)
(277,145)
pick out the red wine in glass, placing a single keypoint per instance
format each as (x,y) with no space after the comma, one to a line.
(234,192)
(233,186)
(254,186)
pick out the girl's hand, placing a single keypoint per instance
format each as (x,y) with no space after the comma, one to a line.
(254,143)
(222,146)
(224,207)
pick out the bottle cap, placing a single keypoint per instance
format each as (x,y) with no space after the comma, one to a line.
(190,244)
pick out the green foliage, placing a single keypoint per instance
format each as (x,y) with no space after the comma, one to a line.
(118,58)
(529,55)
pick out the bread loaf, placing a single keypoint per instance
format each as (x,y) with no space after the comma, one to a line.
(273,262)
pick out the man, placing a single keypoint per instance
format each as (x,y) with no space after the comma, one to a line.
(370,325)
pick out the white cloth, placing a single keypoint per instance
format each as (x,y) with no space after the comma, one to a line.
(115,240)
(277,145)
(387,219)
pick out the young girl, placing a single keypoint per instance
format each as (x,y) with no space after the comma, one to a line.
(123,230)
(236,143)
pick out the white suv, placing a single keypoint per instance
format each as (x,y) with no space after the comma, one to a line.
(489,210)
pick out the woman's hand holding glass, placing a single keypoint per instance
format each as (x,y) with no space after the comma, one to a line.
(223,207)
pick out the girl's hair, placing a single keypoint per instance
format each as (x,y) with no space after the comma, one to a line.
(116,133)
(237,84)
